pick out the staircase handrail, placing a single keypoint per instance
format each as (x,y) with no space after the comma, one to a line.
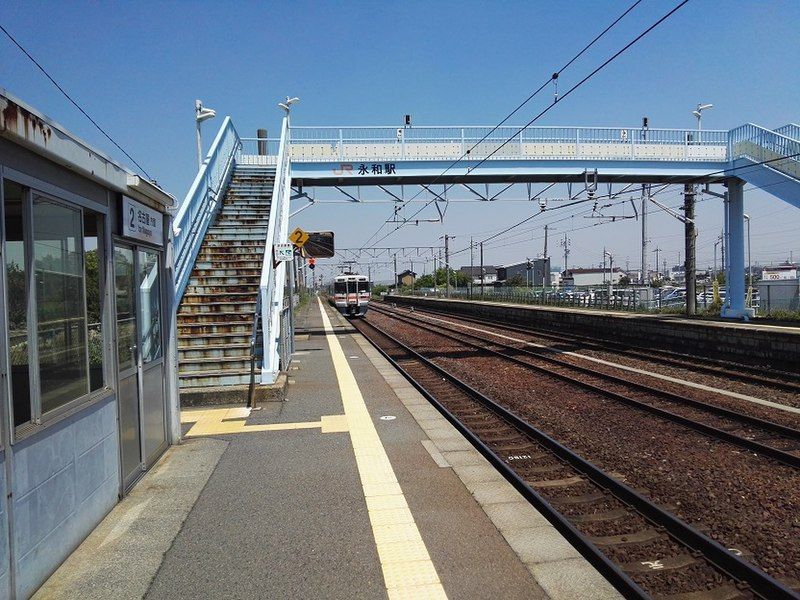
(201,203)
(253,343)
(761,144)
(790,130)
(271,293)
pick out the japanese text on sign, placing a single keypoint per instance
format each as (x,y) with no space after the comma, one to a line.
(366,169)
(141,222)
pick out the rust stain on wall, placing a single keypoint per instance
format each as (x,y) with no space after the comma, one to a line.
(32,124)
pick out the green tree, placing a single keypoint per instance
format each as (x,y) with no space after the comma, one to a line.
(624,281)
(517,280)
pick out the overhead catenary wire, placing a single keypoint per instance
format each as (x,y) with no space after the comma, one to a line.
(74,103)
(553,77)
(663,189)
(552,105)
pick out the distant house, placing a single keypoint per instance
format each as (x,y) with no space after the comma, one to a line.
(474,273)
(581,277)
(406,278)
(535,273)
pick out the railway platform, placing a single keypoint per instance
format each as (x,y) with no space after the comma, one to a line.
(353,487)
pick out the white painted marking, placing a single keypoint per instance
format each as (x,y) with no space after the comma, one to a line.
(388,418)
(691,384)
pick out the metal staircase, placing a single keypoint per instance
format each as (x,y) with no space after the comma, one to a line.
(216,314)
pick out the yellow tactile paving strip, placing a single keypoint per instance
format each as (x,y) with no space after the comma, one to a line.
(217,421)
(407,567)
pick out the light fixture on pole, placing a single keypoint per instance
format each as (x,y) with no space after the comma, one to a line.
(201,114)
(286,105)
(699,114)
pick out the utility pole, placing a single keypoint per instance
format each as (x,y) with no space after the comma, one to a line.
(482,271)
(471,266)
(724,264)
(544,254)
(447,263)
(689,266)
(656,251)
(369,276)
(396,283)
(645,193)
(565,244)
(434,274)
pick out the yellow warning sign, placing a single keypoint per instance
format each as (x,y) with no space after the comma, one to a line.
(298,237)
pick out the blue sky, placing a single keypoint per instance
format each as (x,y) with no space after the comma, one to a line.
(137,68)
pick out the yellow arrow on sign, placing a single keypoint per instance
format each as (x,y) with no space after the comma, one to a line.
(298,237)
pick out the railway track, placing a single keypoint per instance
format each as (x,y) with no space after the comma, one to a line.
(753,434)
(639,546)
(789,382)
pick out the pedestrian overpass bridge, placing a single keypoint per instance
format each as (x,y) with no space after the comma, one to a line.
(241,173)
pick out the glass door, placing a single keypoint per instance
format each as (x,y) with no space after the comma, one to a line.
(128,364)
(140,352)
(151,364)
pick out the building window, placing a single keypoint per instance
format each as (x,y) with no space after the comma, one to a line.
(149,305)
(60,303)
(93,259)
(54,291)
(17,301)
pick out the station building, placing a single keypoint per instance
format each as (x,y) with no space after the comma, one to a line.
(88,398)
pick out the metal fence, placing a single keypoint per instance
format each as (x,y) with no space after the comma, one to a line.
(632,299)
(379,143)
(759,144)
(258,151)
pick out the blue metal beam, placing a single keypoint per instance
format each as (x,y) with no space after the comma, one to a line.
(504,171)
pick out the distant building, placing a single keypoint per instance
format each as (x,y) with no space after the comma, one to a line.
(406,278)
(583,277)
(489,274)
(535,273)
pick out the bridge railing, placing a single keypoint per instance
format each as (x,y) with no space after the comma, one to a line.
(258,151)
(759,144)
(320,144)
(790,130)
(271,286)
(201,202)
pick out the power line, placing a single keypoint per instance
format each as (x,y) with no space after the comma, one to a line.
(663,189)
(552,78)
(553,104)
(68,97)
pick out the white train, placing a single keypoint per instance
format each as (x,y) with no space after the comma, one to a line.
(351,294)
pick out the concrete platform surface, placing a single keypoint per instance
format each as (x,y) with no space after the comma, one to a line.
(353,487)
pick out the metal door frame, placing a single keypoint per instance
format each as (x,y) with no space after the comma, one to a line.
(128,480)
(148,461)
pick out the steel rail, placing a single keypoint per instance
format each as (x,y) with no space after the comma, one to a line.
(613,573)
(748,574)
(751,445)
(672,358)
(667,395)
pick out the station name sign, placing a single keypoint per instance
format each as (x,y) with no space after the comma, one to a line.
(140,222)
(365,169)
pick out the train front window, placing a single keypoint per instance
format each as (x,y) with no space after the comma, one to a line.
(340,287)
(363,286)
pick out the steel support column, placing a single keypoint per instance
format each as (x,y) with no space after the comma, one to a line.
(734,307)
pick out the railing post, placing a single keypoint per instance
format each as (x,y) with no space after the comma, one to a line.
(577,143)
(463,145)
(341,145)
